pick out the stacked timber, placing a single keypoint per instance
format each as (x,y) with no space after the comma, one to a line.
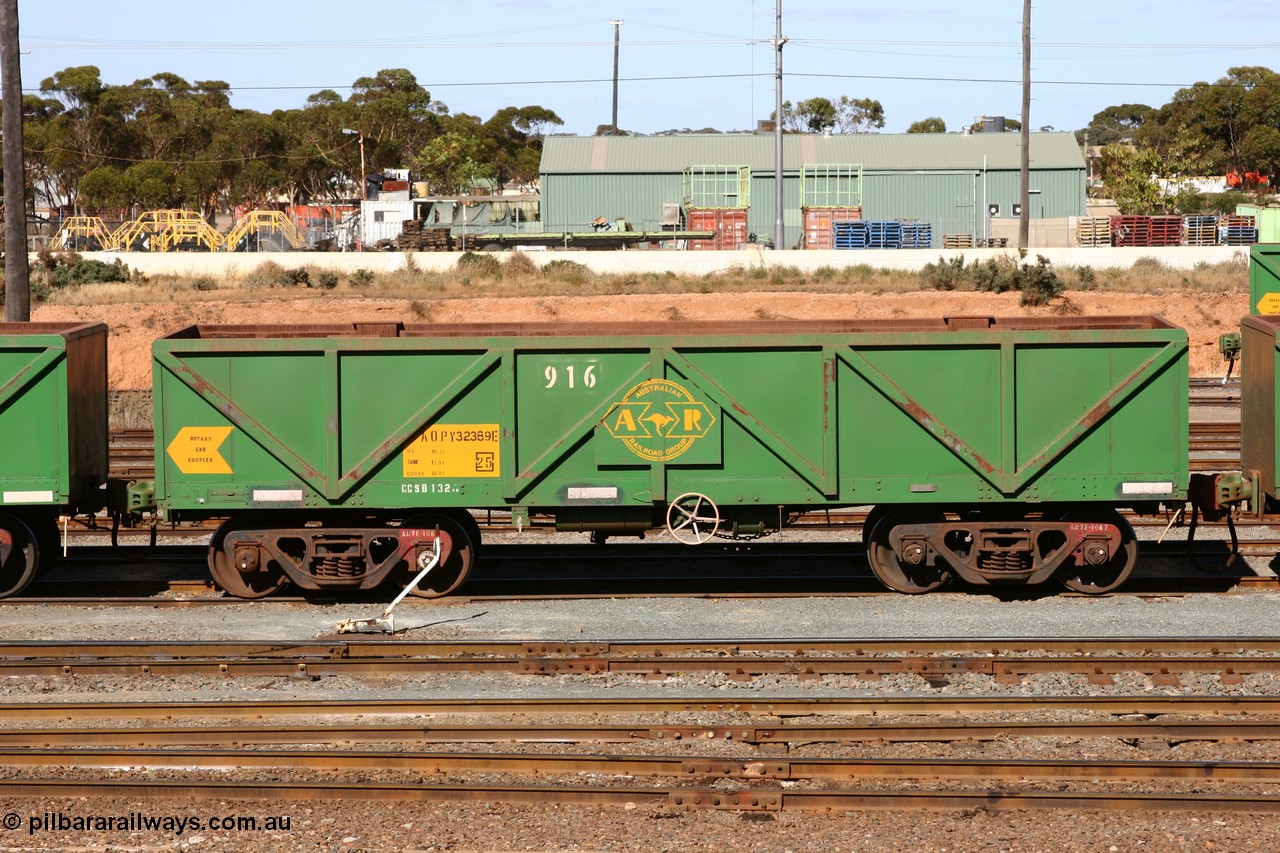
(414,238)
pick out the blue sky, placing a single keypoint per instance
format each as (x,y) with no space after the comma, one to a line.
(708,63)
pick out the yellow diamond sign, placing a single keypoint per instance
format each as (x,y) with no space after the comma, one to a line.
(195,450)
(1269,304)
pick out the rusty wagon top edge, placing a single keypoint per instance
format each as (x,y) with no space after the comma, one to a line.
(394,329)
(68,329)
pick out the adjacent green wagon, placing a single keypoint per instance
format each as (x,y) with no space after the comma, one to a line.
(53,438)
(995,449)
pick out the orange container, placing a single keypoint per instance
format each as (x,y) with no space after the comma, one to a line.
(818,233)
(730,227)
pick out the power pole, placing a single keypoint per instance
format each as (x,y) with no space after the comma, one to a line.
(1024,221)
(779,228)
(617,27)
(17,282)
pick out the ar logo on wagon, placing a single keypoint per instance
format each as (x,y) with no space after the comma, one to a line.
(658,420)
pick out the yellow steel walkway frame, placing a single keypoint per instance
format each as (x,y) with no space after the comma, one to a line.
(77,229)
(167,231)
(181,232)
(258,222)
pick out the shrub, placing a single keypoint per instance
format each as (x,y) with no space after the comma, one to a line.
(362,277)
(1086,277)
(328,280)
(475,263)
(569,272)
(519,265)
(84,271)
(994,275)
(298,277)
(266,274)
(945,274)
(1040,283)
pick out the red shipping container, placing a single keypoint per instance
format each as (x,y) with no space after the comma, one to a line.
(730,227)
(818,233)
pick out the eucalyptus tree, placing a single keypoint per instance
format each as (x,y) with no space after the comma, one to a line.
(823,115)
(395,116)
(512,140)
(1210,128)
(933,124)
(87,131)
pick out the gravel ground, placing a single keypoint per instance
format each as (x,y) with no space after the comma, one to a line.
(498,828)
(935,615)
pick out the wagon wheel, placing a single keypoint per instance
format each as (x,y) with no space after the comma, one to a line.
(255,581)
(869,523)
(1095,580)
(464,534)
(19,555)
(898,574)
(693,518)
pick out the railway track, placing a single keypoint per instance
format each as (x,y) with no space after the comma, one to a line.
(1161,660)
(754,768)
(676,797)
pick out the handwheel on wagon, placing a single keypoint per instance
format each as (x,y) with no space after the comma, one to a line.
(693,518)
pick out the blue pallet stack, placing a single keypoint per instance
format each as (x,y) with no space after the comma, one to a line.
(849,235)
(1235,230)
(884,234)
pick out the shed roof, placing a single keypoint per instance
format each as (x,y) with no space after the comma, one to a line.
(874,151)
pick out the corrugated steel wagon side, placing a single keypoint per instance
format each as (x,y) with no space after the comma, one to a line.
(996,449)
(53,456)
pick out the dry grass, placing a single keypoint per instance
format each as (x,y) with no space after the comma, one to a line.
(519,276)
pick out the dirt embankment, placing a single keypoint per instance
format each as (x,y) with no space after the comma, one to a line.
(134,326)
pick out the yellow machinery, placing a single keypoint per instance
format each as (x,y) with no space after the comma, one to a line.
(260,229)
(167,231)
(88,233)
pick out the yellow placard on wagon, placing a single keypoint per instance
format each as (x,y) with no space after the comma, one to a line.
(454,450)
(1269,304)
(195,450)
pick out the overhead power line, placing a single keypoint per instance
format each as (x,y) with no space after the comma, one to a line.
(430,84)
(63,42)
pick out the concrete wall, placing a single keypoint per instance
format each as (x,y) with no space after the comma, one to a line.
(641,261)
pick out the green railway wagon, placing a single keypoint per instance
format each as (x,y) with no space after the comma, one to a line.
(1259,352)
(995,449)
(53,454)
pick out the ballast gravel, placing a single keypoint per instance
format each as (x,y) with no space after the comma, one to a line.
(506,828)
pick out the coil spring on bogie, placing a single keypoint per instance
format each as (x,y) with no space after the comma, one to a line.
(1004,561)
(337,567)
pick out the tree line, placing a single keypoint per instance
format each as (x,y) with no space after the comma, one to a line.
(164,142)
(1229,127)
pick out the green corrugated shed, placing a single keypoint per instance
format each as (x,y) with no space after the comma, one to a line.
(947,180)
(1266,218)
